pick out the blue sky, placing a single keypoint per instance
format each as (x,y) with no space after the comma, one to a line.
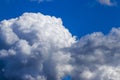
(79,16)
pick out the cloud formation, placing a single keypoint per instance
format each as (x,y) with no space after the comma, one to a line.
(97,56)
(38,47)
(107,2)
(30,48)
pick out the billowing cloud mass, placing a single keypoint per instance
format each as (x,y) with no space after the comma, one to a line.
(107,2)
(38,47)
(31,48)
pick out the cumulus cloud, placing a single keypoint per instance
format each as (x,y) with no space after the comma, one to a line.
(30,48)
(107,2)
(38,47)
(97,56)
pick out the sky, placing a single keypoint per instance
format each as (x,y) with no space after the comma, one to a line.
(79,16)
(80,42)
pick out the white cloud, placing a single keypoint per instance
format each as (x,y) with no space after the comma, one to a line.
(107,2)
(39,1)
(38,47)
(31,48)
(97,56)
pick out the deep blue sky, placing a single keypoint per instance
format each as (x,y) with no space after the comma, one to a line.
(81,17)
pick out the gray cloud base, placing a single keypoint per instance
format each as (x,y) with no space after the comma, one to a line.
(38,47)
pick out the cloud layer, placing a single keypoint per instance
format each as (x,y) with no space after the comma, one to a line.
(38,47)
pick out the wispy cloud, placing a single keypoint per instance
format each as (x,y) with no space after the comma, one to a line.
(39,1)
(107,2)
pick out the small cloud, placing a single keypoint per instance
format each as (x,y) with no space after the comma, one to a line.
(39,1)
(107,2)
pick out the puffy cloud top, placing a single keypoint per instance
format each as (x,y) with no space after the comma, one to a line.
(38,47)
(30,47)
